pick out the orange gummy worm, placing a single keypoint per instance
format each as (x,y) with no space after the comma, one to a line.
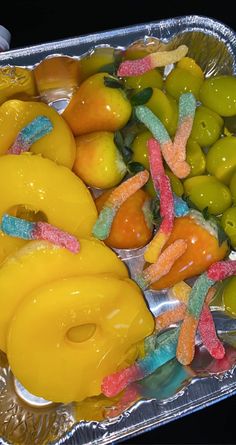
(127,188)
(165,262)
(168,317)
(186,342)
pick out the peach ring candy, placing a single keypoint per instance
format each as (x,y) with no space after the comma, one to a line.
(31,133)
(138,67)
(73,331)
(21,228)
(57,145)
(39,262)
(118,196)
(162,184)
(39,184)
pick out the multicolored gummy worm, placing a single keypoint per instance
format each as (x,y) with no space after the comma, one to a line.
(165,350)
(160,348)
(174,152)
(187,108)
(186,343)
(206,326)
(21,228)
(163,264)
(32,132)
(118,196)
(138,67)
(162,185)
(207,331)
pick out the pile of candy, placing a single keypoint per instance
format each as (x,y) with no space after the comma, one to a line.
(161,153)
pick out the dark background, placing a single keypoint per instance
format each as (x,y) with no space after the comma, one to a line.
(36,21)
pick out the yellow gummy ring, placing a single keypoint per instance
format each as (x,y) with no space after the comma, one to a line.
(40,184)
(39,262)
(110,316)
(58,145)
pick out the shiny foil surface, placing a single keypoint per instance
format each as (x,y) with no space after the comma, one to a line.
(173,390)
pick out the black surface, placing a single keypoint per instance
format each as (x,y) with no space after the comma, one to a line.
(33,22)
(36,21)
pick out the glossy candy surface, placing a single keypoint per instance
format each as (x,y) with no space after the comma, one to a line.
(73,368)
(219,94)
(40,184)
(221,159)
(208,191)
(152,78)
(203,249)
(97,107)
(98,161)
(132,226)
(181,81)
(228,222)
(58,145)
(207,126)
(40,262)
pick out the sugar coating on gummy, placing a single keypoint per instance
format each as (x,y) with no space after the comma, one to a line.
(165,351)
(47,232)
(32,132)
(118,196)
(207,331)
(162,184)
(198,295)
(174,153)
(163,265)
(153,123)
(103,225)
(222,270)
(206,327)
(21,228)
(138,67)
(187,106)
(17,227)
(186,341)
(170,317)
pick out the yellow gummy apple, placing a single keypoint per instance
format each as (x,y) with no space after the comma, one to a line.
(58,145)
(98,161)
(97,107)
(39,262)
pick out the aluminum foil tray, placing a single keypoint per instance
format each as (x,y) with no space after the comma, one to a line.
(172,392)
